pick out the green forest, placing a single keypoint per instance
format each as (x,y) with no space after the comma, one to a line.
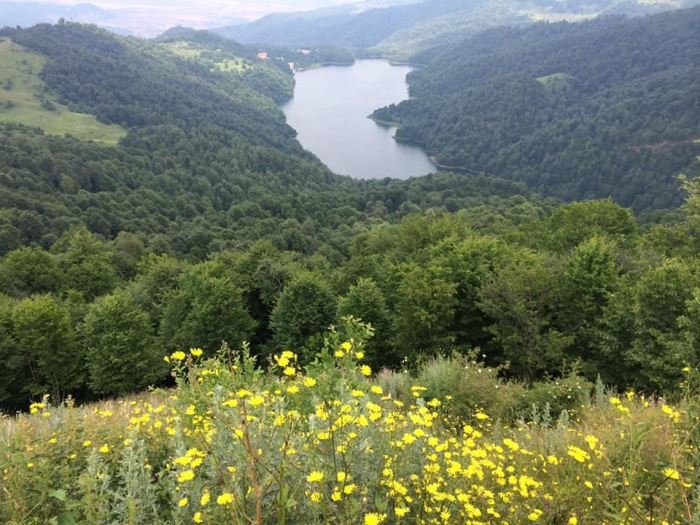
(208,162)
(208,222)
(576,111)
(572,291)
(208,166)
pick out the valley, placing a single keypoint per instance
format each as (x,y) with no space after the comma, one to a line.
(235,288)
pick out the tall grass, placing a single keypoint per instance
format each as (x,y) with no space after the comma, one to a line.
(331,444)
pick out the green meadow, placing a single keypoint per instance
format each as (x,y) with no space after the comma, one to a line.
(555,81)
(25,99)
(223,63)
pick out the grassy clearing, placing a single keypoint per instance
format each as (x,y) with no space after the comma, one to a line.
(326,443)
(226,63)
(235,64)
(25,99)
(555,81)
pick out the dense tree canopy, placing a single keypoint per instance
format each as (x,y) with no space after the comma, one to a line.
(604,303)
(122,354)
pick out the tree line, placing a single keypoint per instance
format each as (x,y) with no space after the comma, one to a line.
(580,290)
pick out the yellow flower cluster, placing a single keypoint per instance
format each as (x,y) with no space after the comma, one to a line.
(329,444)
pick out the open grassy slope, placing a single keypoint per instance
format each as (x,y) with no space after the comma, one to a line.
(240,63)
(25,99)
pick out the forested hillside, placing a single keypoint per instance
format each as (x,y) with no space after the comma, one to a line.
(208,161)
(273,78)
(206,165)
(602,108)
(341,25)
(228,55)
(94,235)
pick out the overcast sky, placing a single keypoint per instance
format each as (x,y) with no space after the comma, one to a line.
(235,8)
(150,18)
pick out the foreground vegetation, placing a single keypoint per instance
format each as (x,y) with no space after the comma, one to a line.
(327,443)
(580,289)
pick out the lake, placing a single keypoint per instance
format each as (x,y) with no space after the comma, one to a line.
(329,111)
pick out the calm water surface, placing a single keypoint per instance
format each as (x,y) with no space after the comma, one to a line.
(329,111)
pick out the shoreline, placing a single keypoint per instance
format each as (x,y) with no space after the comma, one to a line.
(385,123)
(417,143)
(354,61)
(390,124)
(326,64)
(457,169)
(398,63)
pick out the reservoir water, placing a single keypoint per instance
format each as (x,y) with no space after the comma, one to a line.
(329,111)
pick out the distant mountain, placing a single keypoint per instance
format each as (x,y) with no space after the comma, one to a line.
(29,14)
(177,31)
(147,21)
(351,25)
(291,29)
(400,31)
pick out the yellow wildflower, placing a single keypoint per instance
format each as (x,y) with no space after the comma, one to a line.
(314,476)
(185,476)
(374,519)
(225,499)
(671,473)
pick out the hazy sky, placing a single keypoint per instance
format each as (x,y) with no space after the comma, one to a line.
(151,17)
(232,8)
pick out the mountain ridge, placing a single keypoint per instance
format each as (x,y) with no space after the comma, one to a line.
(398,32)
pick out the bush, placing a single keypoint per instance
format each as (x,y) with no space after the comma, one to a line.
(471,385)
(551,398)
